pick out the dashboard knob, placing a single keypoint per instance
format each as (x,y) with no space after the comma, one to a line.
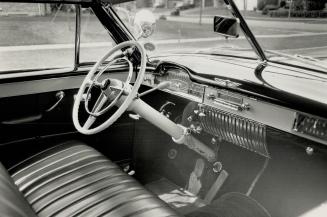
(309,150)
(211,96)
(217,167)
(198,129)
(213,141)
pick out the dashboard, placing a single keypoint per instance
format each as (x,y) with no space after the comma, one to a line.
(229,109)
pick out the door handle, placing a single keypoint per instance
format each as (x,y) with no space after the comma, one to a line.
(31,118)
(60,96)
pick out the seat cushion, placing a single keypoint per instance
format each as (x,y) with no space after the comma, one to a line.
(12,202)
(75,180)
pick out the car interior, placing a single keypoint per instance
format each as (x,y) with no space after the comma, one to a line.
(160,137)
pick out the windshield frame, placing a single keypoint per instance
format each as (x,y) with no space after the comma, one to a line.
(261,53)
(246,30)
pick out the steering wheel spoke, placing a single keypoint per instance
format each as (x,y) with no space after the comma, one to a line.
(89,122)
(102,99)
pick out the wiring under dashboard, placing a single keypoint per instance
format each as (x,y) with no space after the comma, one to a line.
(258,176)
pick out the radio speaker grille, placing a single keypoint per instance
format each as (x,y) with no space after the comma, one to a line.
(235,129)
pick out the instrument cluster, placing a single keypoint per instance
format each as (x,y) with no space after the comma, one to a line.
(180,82)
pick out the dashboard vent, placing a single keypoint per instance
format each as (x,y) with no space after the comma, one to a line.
(235,129)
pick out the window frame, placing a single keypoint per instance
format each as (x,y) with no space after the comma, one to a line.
(5,74)
(77,36)
(107,17)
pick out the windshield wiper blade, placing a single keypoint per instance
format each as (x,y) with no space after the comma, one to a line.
(301,58)
(222,49)
(307,57)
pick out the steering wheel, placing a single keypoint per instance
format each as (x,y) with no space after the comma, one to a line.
(113,91)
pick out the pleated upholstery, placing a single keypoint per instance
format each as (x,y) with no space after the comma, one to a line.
(12,202)
(76,180)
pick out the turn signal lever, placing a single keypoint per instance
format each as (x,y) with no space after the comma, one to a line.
(162,85)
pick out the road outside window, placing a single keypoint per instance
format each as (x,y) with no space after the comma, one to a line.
(36,36)
(95,40)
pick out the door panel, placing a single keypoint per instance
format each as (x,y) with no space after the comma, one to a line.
(32,116)
(25,117)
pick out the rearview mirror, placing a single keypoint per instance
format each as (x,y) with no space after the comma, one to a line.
(226,26)
(144,22)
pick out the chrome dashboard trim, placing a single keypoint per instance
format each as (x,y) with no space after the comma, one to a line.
(310,125)
(263,112)
(251,108)
(235,129)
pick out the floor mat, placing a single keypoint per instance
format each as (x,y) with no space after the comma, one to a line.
(179,199)
(232,205)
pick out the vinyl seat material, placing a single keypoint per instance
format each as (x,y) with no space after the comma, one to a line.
(74,179)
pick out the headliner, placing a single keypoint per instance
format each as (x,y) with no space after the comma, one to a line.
(69,1)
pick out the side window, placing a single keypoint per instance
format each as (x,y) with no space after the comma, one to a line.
(95,40)
(36,36)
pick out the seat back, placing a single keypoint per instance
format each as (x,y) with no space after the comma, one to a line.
(12,202)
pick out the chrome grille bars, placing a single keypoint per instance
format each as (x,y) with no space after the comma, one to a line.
(234,129)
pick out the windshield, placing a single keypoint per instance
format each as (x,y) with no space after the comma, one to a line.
(180,28)
(295,28)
